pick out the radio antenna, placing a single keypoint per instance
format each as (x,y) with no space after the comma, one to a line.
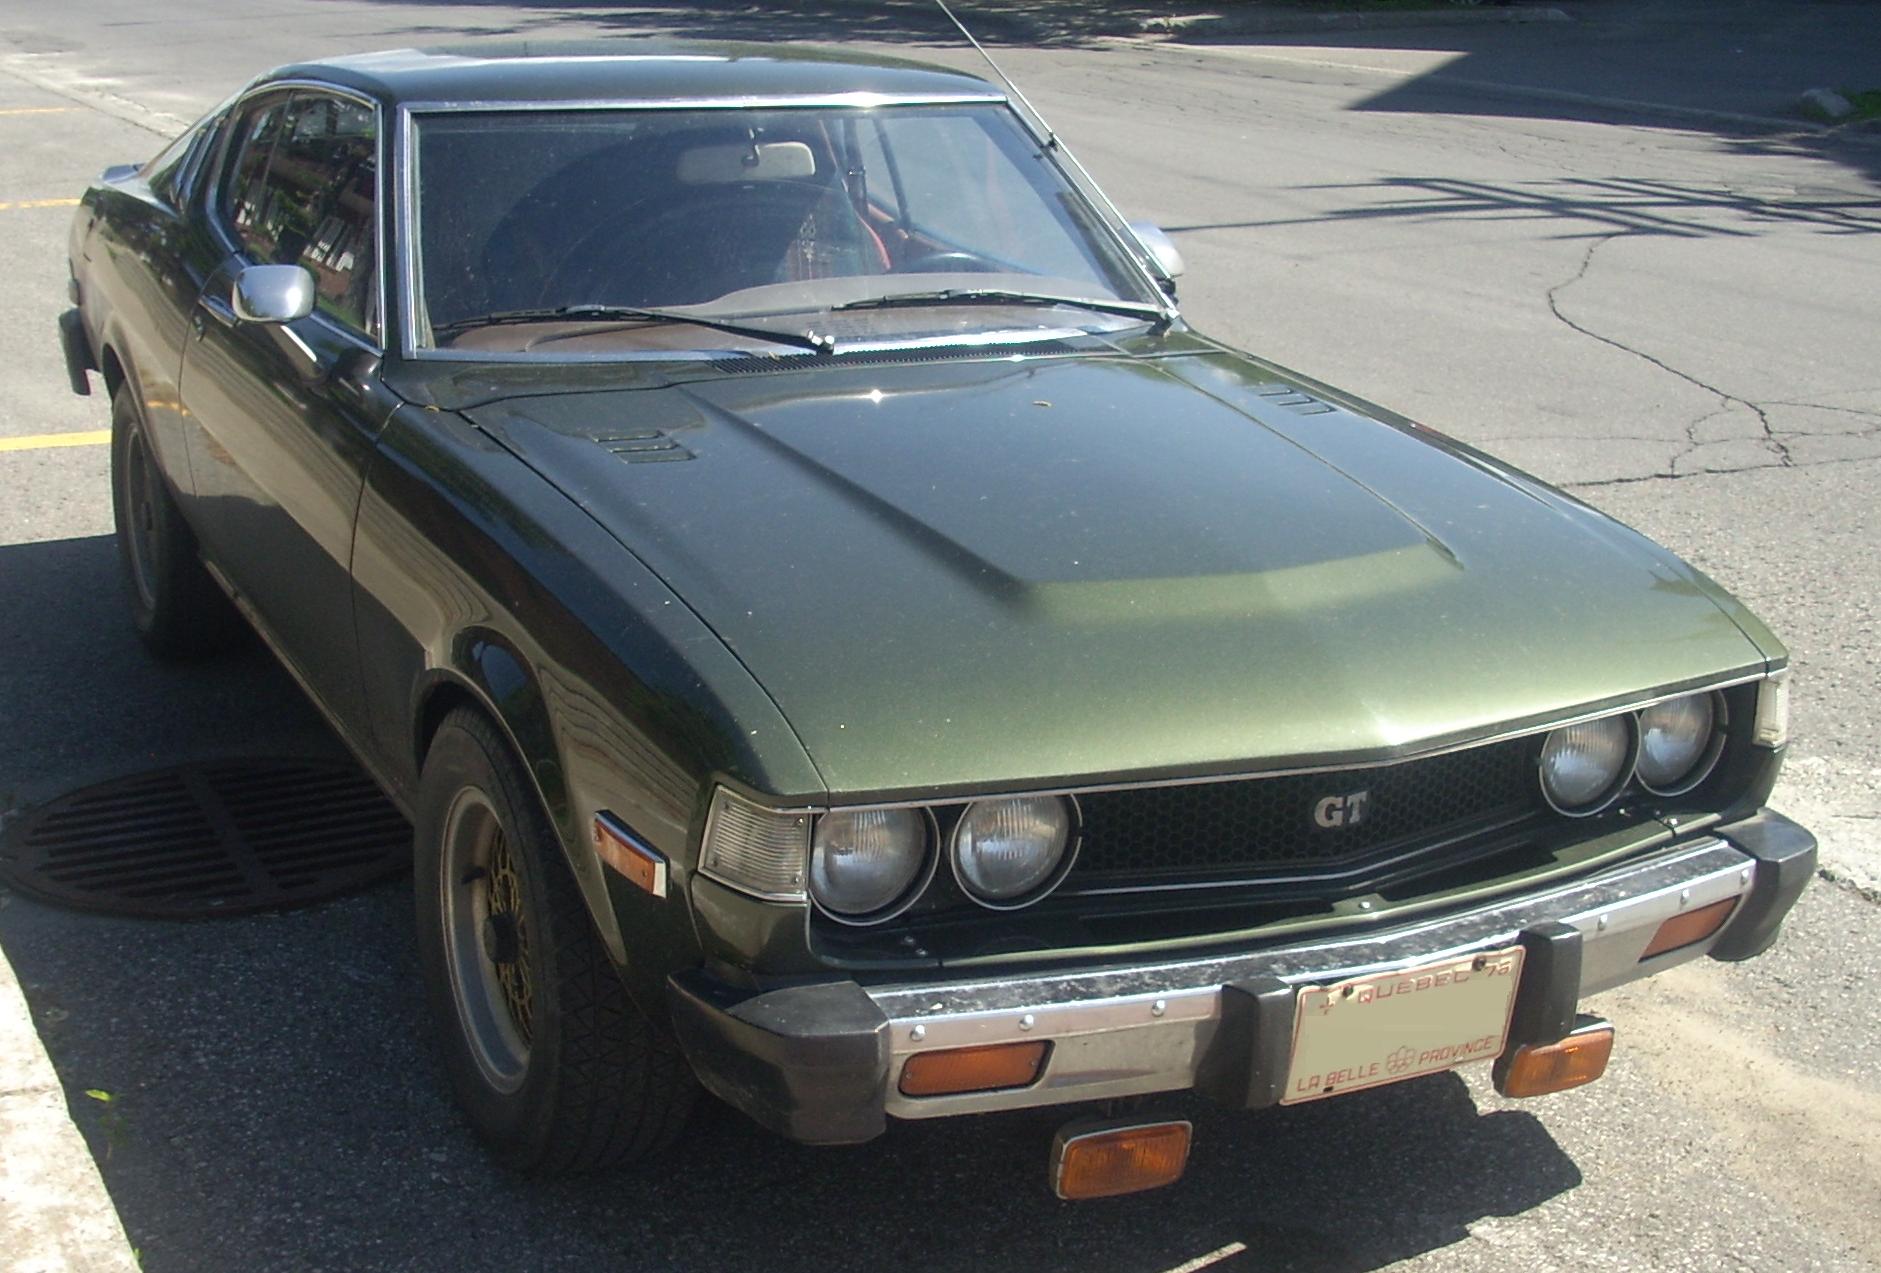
(1080,176)
(1051,138)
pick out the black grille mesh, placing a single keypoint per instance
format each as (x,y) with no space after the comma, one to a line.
(1267,824)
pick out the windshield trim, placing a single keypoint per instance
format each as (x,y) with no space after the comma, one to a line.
(404,181)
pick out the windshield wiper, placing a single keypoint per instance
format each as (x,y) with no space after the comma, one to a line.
(1002,296)
(628,314)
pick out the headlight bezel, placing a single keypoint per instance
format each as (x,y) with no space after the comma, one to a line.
(1074,838)
(916,888)
(1708,754)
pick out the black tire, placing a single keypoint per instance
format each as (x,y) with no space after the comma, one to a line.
(555,1067)
(178,610)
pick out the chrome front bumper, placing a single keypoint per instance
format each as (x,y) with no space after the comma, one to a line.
(823,1062)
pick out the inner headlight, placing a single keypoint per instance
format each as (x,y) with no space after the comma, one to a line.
(1009,853)
(863,863)
(1675,743)
(1584,766)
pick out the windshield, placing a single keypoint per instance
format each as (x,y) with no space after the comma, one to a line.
(791,218)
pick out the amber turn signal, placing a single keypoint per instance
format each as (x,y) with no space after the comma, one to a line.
(1105,1159)
(981,1069)
(1688,927)
(1536,1069)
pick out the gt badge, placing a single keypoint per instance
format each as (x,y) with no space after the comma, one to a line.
(1341,811)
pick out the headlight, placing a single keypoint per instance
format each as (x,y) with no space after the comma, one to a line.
(1584,766)
(1010,853)
(1675,743)
(865,865)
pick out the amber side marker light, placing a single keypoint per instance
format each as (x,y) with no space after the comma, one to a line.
(1537,1069)
(1103,1159)
(1689,927)
(983,1069)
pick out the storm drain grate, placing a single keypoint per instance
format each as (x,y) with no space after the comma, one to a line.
(219,838)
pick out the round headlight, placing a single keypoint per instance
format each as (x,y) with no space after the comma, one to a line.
(1584,766)
(863,862)
(1674,743)
(1009,853)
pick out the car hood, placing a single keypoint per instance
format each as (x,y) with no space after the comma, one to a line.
(964,575)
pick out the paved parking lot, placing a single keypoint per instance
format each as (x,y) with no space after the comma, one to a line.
(1678,323)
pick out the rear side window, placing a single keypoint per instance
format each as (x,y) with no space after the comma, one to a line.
(301,191)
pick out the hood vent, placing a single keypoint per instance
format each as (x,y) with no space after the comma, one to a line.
(1293,400)
(644,446)
(879,357)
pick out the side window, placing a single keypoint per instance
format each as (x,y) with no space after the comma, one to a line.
(302,192)
(244,185)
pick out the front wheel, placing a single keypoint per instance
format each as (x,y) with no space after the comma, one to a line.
(553,1064)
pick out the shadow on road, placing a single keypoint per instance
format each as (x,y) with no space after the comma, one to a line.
(276,1104)
(275,1101)
(1585,207)
(1683,64)
(82,701)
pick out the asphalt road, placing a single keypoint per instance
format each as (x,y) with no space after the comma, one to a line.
(1678,323)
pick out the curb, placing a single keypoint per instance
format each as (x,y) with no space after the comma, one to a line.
(55,1215)
(1296,21)
(1005,25)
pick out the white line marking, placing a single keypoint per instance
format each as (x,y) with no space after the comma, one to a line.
(1213,1257)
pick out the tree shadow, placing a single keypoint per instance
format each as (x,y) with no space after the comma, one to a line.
(1588,207)
(1732,73)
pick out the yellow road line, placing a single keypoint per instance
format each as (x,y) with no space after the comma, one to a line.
(41,441)
(38,203)
(34,110)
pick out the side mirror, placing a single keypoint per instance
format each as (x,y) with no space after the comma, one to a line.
(272,293)
(1161,247)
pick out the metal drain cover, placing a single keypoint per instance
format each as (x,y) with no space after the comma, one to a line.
(220,838)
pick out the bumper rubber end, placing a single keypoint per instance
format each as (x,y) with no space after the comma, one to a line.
(809,1062)
(1785,854)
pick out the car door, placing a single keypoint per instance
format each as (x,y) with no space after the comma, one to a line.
(283,415)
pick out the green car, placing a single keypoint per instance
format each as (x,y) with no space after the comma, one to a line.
(845,643)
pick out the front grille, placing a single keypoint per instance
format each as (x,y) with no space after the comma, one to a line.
(1265,825)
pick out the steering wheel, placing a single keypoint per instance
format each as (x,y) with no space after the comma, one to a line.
(658,255)
(950,263)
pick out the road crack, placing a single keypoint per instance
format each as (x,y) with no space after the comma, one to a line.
(1771,440)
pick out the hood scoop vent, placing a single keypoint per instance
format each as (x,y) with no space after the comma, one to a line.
(879,357)
(644,446)
(1293,400)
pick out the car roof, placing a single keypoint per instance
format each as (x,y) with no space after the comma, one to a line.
(634,70)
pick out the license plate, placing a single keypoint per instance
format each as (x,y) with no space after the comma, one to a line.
(1387,1027)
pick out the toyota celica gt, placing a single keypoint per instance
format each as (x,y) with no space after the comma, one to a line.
(843,640)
